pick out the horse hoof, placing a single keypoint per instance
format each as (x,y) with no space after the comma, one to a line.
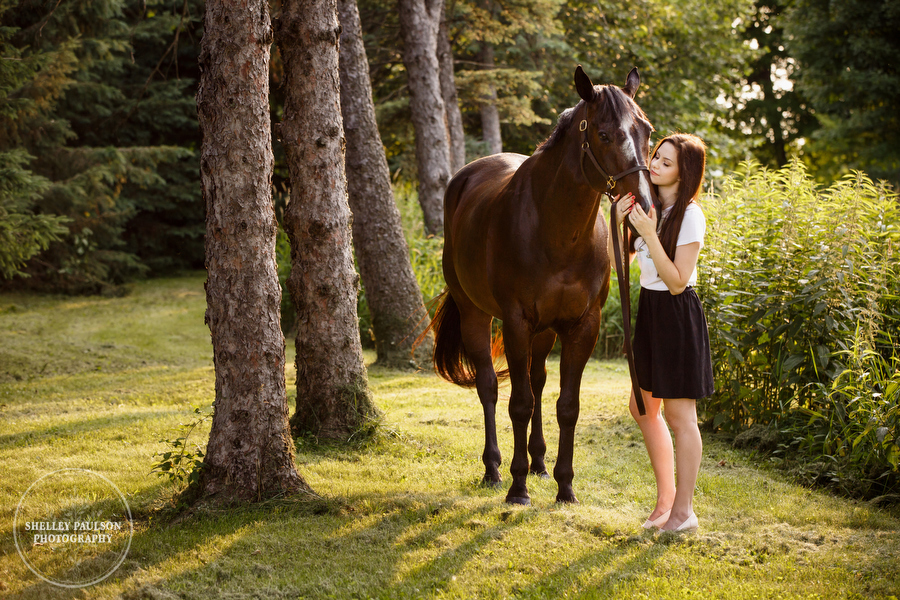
(490,483)
(542,474)
(567,499)
(518,500)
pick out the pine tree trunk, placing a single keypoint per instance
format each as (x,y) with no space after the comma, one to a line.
(333,399)
(419,22)
(392,292)
(490,117)
(250,451)
(455,132)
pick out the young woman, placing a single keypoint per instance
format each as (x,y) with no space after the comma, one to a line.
(671,341)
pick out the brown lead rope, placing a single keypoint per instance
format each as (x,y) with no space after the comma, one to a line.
(623,276)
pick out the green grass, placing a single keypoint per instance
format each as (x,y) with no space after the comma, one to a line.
(96,383)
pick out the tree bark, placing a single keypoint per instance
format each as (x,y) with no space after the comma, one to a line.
(455,132)
(419,22)
(333,399)
(393,295)
(250,451)
(490,117)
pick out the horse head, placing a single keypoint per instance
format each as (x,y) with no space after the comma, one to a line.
(615,138)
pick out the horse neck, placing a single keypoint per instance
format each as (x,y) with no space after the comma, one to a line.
(567,205)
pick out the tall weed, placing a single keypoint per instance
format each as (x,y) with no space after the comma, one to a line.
(798,283)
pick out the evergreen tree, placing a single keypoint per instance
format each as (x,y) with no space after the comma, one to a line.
(166,232)
(692,50)
(498,43)
(419,26)
(382,254)
(23,232)
(78,119)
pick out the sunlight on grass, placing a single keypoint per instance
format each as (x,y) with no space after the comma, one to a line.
(403,515)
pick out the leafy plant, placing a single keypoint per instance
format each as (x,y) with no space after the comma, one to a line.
(800,290)
(181,463)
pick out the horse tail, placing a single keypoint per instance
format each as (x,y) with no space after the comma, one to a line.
(450,359)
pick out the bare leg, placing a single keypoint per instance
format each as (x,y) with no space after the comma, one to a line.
(658,441)
(681,415)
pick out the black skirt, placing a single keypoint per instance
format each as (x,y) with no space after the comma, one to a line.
(671,345)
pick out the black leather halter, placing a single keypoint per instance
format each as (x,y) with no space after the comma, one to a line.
(610,179)
(622,271)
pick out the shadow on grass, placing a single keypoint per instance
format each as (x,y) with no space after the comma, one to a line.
(460,544)
(367,546)
(73,429)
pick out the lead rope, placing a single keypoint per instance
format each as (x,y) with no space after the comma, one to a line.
(623,276)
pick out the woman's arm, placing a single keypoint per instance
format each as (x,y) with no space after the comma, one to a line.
(675,274)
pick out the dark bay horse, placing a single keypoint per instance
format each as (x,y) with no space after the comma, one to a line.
(525,242)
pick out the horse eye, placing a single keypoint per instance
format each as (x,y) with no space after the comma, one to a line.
(604,137)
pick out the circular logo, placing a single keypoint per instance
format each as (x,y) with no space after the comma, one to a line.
(73,528)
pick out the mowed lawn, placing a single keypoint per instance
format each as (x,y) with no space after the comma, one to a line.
(101,383)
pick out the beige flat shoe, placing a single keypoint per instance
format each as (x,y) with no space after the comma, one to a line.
(690,525)
(657,522)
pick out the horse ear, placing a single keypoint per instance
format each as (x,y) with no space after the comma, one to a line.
(583,84)
(632,82)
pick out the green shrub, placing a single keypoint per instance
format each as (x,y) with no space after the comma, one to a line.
(611,341)
(800,289)
(854,438)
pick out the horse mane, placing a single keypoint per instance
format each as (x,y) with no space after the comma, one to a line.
(562,126)
(613,102)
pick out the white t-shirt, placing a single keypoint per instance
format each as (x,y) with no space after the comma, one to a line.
(693,228)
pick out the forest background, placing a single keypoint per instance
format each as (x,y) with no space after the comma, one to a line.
(100,142)
(99,162)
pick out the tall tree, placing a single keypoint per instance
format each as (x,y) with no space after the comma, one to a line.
(392,293)
(419,24)
(250,451)
(847,54)
(455,132)
(500,41)
(766,106)
(333,399)
(490,115)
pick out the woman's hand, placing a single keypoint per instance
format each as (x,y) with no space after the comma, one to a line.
(644,223)
(623,207)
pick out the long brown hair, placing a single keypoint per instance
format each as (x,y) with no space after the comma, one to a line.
(691,154)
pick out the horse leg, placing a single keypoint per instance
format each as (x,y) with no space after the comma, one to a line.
(577,345)
(517,339)
(537,447)
(475,328)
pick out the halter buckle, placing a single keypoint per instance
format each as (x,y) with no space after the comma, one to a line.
(610,183)
(583,125)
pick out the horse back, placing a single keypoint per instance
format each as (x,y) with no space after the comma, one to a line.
(476,187)
(474,201)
